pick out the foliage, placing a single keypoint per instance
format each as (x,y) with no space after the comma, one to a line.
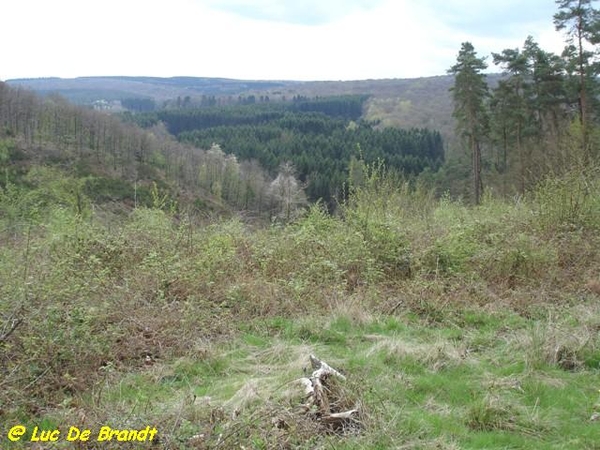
(178,121)
(407,294)
(119,161)
(525,106)
(570,201)
(580,20)
(286,192)
(45,190)
(535,105)
(312,135)
(138,104)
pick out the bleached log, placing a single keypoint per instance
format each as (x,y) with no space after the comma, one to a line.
(308,386)
(339,417)
(322,368)
(315,392)
(319,396)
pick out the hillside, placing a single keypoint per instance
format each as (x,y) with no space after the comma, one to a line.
(421,102)
(85,153)
(214,156)
(87,90)
(322,138)
(167,88)
(139,290)
(454,327)
(406,103)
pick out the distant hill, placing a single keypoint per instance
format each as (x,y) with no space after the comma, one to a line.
(418,102)
(405,103)
(86,90)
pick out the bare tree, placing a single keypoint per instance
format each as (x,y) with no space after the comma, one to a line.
(286,192)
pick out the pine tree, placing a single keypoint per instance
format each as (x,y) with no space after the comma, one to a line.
(581,21)
(547,100)
(469,93)
(515,90)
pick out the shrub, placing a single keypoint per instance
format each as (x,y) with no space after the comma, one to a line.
(570,201)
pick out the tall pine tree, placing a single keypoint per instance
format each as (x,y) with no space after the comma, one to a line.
(581,21)
(469,93)
(514,93)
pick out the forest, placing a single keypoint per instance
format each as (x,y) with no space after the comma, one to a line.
(228,156)
(319,137)
(174,272)
(541,117)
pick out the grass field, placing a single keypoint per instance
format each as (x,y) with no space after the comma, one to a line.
(456,327)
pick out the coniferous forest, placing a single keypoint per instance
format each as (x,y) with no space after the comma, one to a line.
(318,137)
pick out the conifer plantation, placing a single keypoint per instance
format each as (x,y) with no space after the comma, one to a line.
(264,272)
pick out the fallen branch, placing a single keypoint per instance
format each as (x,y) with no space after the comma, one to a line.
(317,392)
(339,417)
(322,368)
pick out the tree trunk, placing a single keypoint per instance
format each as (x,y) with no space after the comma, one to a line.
(477,183)
(582,91)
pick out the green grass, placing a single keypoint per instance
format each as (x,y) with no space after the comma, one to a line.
(422,386)
(456,327)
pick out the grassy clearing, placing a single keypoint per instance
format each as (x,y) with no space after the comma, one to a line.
(456,327)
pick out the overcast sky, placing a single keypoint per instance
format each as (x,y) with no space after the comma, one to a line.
(261,39)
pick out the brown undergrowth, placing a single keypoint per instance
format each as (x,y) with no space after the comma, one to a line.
(104,322)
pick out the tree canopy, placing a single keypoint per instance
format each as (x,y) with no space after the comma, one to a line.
(318,136)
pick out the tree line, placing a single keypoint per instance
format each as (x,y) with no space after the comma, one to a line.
(116,160)
(542,116)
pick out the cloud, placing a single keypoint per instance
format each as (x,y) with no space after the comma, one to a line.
(261,39)
(299,12)
(491,18)
(490,26)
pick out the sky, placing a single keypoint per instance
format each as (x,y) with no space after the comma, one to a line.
(262,39)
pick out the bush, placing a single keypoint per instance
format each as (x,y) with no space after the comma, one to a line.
(571,201)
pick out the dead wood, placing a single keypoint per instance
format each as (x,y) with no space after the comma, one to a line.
(320,392)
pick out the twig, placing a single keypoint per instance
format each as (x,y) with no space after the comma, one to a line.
(395,307)
(37,379)
(13,327)
(99,396)
(178,418)
(6,378)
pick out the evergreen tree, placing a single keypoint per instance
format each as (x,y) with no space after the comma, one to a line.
(501,124)
(515,90)
(469,93)
(581,21)
(547,102)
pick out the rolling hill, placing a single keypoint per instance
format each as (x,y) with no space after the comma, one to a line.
(420,102)
(86,90)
